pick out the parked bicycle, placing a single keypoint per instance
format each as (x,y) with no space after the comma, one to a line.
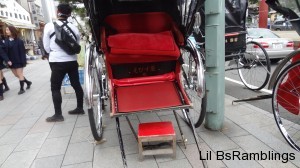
(243,54)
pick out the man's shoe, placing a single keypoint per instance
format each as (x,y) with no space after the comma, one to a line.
(1,98)
(55,118)
(21,92)
(77,111)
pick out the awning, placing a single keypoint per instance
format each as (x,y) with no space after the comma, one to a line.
(18,24)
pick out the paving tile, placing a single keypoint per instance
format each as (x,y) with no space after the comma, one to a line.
(183,163)
(164,158)
(80,165)
(217,140)
(147,162)
(109,157)
(252,145)
(82,121)
(25,123)
(10,120)
(148,117)
(60,130)
(6,150)
(32,141)
(236,163)
(54,146)
(193,156)
(38,109)
(78,153)
(130,144)
(171,117)
(4,129)
(111,138)
(187,132)
(48,162)
(23,106)
(20,159)
(231,129)
(110,123)
(13,136)
(259,119)
(41,126)
(81,134)
(125,128)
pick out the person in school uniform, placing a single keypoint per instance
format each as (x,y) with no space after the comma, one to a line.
(15,50)
(3,59)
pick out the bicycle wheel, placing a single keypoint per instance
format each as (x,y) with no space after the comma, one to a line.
(95,111)
(286,106)
(254,66)
(192,79)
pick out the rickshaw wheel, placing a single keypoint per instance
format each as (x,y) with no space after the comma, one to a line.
(254,66)
(95,113)
(285,104)
(193,82)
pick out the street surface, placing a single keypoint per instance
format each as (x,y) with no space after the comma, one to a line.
(235,88)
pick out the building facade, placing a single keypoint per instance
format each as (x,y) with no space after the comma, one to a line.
(12,13)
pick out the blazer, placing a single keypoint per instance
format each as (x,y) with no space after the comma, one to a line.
(15,50)
(3,54)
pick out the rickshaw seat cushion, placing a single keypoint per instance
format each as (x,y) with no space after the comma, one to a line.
(162,43)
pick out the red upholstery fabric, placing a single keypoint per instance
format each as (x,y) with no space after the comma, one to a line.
(144,80)
(288,95)
(156,129)
(144,43)
(152,22)
(122,58)
(147,97)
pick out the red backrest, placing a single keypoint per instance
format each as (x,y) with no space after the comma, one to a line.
(153,22)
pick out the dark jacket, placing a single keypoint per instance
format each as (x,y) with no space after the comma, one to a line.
(3,55)
(15,50)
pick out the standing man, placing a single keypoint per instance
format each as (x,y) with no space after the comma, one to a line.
(61,64)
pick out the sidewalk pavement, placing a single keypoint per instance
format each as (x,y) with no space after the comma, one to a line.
(27,141)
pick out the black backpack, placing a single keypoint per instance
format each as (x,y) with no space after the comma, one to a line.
(66,39)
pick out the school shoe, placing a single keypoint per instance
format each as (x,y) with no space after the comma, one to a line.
(6,88)
(1,92)
(21,87)
(77,111)
(28,83)
(21,92)
(55,118)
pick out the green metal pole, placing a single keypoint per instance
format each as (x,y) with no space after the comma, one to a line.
(215,60)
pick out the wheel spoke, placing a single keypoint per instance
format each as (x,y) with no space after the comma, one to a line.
(286,104)
(250,66)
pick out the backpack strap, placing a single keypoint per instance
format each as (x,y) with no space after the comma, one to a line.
(66,24)
(52,34)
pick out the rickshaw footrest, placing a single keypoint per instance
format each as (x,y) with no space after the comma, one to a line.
(157,132)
